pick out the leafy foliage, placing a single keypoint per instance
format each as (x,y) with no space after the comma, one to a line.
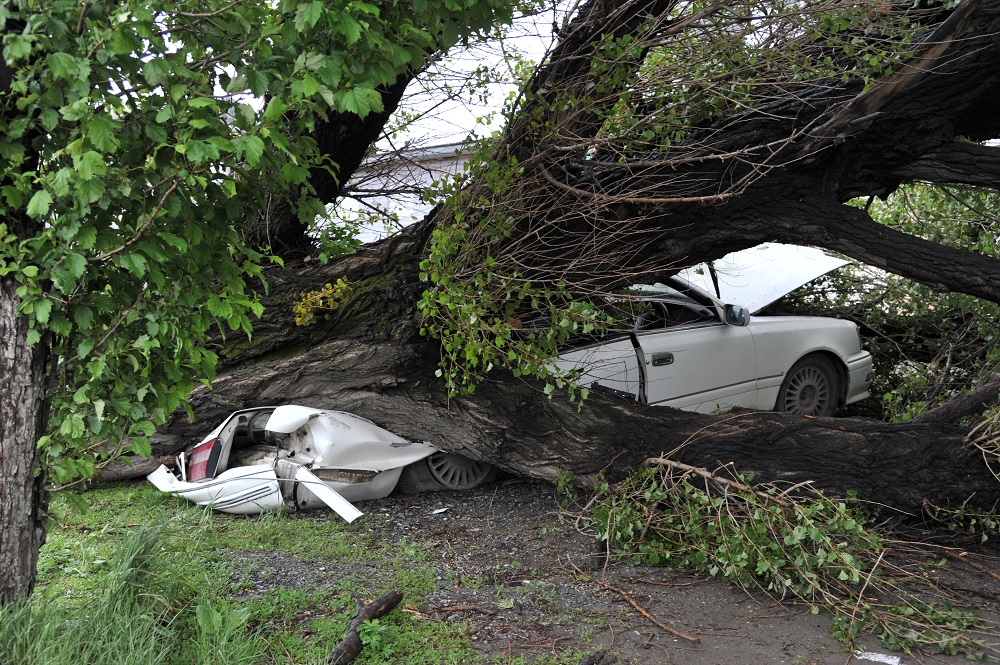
(328,297)
(806,547)
(134,140)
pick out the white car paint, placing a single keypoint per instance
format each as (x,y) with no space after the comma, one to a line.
(761,275)
(683,353)
(264,458)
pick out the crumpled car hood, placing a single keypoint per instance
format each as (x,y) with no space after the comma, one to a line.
(756,277)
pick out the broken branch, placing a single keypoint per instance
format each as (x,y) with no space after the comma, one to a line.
(351,645)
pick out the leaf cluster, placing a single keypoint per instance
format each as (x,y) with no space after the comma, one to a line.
(808,548)
(134,141)
(329,297)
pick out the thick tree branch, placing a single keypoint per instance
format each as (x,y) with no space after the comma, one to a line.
(853,232)
(968,404)
(956,164)
(861,112)
(346,138)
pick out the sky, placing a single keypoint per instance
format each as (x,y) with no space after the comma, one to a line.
(443,119)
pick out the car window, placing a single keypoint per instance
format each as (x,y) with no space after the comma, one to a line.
(683,312)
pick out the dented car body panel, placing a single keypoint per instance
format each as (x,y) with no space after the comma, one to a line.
(294,456)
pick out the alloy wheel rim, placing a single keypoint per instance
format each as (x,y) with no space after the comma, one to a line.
(808,392)
(457,472)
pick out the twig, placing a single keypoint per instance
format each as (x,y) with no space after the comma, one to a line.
(138,234)
(708,475)
(637,606)
(861,595)
(964,558)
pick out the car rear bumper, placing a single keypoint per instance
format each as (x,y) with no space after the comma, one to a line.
(859,376)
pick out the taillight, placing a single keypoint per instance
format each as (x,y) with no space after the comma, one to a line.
(204,460)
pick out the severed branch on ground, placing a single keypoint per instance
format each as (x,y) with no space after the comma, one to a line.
(351,645)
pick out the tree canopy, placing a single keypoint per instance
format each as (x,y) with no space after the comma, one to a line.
(139,141)
(150,156)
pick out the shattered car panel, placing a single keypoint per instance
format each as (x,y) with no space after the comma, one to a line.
(264,458)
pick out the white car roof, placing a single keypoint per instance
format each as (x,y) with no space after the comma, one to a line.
(756,277)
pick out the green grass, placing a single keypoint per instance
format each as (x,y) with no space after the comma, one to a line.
(141,577)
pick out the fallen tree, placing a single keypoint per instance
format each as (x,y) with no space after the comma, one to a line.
(580,210)
(618,165)
(368,357)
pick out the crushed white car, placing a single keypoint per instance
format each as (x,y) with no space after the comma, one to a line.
(298,457)
(701,352)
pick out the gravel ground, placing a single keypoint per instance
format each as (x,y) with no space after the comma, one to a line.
(529,585)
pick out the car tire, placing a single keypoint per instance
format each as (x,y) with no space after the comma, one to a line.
(811,388)
(444,471)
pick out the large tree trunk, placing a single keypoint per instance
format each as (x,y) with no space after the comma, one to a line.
(368,358)
(23,499)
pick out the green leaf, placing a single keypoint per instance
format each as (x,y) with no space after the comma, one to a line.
(90,164)
(38,206)
(350,28)
(84,317)
(275,109)
(308,15)
(75,264)
(49,118)
(63,65)
(250,148)
(42,309)
(101,132)
(294,173)
(60,325)
(156,71)
(134,263)
(203,103)
(361,101)
(17,47)
(164,114)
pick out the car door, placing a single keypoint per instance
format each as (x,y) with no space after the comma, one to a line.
(611,367)
(702,366)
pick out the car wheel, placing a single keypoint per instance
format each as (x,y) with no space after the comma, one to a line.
(444,471)
(811,388)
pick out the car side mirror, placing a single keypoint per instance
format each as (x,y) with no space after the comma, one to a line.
(736,316)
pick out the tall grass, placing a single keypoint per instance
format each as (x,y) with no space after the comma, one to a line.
(153,604)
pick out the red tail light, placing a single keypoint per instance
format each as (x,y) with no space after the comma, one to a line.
(204,460)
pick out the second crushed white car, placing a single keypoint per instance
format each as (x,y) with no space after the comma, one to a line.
(702,352)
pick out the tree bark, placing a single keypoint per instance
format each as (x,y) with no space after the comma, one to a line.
(23,500)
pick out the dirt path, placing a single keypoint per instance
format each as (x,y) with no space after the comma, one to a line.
(529,585)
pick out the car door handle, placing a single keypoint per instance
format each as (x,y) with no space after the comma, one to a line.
(661,359)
